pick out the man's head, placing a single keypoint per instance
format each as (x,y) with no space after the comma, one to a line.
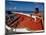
(36,10)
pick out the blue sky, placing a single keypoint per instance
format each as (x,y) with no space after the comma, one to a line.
(23,6)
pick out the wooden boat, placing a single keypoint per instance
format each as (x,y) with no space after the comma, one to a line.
(27,21)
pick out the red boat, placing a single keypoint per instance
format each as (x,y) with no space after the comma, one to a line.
(29,22)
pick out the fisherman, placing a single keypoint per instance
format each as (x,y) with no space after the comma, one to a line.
(37,12)
(39,16)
